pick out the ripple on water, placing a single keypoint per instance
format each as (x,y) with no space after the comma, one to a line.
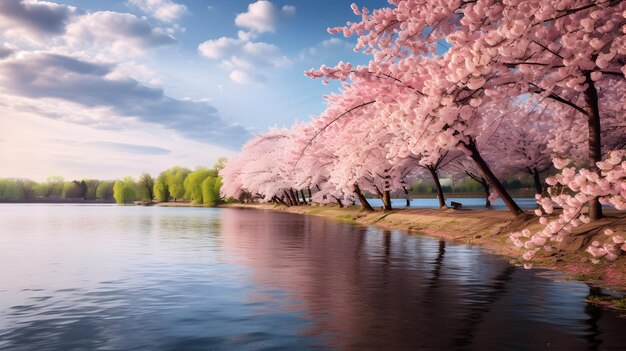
(137,278)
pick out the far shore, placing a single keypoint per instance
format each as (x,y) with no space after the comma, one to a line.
(489,229)
(57,201)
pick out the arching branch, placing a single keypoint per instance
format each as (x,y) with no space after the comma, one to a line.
(327,125)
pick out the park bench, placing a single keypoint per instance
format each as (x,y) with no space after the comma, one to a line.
(456,205)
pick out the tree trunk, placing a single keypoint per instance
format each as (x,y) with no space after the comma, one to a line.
(280,199)
(385,197)
(387,192)
(595,145)
(406,196)
(440,196)
(538,184)
(485,185)
(493,180)
(294,197)
(310,195)
(387,200)
(303,197)
(289,198)
(366,205)
(338,201)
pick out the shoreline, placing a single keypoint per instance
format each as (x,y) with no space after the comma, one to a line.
(486,228)
(58,201)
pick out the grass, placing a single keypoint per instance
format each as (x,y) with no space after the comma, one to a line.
(620,303)
(315,210)
(587,276)
(609,301)
(345,217)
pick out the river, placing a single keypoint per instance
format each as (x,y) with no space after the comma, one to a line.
(100,277)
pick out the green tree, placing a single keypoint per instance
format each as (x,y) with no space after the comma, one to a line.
(125,190)
(219,164)
(83,188)
(423,187)
(91,192)
(104,191)
(175,181)
(161,192)
(146,187)
(469,185)
(9,190)
(193,184)
(71,190)
(211,187)
(27,188)
(52,187)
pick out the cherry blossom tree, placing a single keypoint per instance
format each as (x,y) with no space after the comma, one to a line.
(260,169)
(439,113)
(561,50)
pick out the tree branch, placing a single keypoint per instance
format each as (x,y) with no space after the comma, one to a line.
(327,125)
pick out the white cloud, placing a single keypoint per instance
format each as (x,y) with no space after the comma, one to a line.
(244,57)
(263,16)
(34,21)
(244,77)
(65,29)
(219,48)
(240,56)
(65,71)
(247,35)
(239,53)
(6,50)
(117,32)
(89,93)
(289,10)
(136,71)
(260,53)
(163,10)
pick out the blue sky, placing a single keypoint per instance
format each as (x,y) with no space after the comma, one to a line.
(101,88)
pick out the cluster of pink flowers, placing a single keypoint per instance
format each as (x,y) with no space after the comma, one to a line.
(572,190)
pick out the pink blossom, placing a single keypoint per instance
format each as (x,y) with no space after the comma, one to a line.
(528,255)
(560,163)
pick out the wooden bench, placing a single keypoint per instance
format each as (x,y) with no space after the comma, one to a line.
(456,205)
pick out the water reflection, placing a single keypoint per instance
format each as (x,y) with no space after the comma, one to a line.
(371,289)
(137,278)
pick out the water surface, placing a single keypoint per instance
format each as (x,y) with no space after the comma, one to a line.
(137,278)
(468,202)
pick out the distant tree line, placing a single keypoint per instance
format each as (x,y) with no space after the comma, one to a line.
(55,187)
(201,186)
(469,185)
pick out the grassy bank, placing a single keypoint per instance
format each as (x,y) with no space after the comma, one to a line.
(488,229)
(177,204)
